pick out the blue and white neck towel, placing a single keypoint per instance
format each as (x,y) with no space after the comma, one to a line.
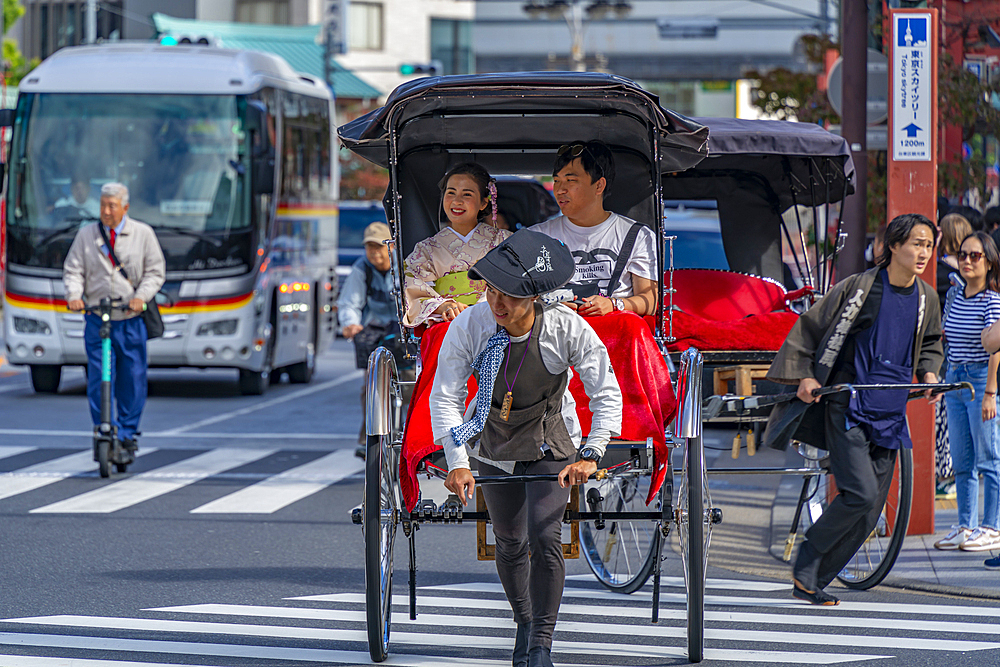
(487,365)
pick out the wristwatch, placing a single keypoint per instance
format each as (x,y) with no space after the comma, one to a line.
(590,454)
(619,304)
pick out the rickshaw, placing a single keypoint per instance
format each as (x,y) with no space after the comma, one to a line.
(513,124)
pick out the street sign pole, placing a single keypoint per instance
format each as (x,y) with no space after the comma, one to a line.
(334,36)
(912,184)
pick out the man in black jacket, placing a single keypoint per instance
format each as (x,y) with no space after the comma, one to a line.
(878,327)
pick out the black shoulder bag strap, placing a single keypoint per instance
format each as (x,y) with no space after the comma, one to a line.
(368,280)
(623,256)
(111,252)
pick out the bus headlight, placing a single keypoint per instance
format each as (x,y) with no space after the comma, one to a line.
(28,325)
(218,328)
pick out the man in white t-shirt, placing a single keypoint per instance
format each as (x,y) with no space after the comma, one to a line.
(582,176)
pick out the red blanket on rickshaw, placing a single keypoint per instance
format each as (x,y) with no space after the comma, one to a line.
(648,395)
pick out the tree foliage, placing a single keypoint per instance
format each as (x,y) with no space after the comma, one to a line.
(15,65)
(789,95)
(359,178)
(963,101)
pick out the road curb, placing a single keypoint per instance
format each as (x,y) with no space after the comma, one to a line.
(941,589)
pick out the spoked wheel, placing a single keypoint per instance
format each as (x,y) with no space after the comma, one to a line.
(381,500)
(694,532)
(622,554)
(873,561)
(104,457)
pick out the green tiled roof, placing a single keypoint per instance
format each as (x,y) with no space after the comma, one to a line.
(298,45)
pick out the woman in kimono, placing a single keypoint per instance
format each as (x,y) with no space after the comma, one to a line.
(436,280)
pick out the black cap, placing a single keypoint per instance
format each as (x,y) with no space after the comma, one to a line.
(526,263)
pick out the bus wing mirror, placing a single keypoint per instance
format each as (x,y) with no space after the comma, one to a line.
(262,173)
(6,117)
(262,149)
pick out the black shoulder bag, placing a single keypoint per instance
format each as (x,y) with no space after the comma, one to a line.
(379,334)
(151,315)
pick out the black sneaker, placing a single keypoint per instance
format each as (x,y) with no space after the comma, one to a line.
(992,563)
(130,445)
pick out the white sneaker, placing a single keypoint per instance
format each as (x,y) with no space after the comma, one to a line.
(952,540)
(982,539)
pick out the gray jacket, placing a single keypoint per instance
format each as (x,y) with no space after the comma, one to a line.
(88,274)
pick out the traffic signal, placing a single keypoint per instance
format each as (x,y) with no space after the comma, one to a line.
(412,69)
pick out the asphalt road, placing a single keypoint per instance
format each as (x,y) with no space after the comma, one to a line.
(229,543)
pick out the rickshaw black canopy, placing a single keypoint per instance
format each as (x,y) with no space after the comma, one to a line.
(755,171)
(513,123)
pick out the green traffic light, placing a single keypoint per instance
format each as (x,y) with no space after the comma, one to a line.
(406,70)
(168,40)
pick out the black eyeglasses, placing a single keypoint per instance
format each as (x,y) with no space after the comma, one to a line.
(975,256)
(576,150)
(506,247)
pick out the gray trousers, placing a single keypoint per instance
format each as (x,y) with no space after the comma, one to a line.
(863,473)
(527,523)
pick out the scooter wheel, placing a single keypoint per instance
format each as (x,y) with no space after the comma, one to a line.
(104,458)
(121,467)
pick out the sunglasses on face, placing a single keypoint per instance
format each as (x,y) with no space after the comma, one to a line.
(974,256)
(576,150)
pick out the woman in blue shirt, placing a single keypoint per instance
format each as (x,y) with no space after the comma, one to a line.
(972,425)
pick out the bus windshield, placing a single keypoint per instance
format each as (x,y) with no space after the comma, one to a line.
(183,158)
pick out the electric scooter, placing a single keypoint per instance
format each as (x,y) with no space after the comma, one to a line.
(108,449)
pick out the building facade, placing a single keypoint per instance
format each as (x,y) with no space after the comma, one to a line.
(692,53)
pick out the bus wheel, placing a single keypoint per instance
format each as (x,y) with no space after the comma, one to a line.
(45,379)
(302,372)
(254,383)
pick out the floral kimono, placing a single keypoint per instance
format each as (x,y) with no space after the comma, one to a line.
(437,271)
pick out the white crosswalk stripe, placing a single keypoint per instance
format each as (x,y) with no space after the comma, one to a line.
(50,472)
(593,625)
(270,495)
(263,492)
(147,485)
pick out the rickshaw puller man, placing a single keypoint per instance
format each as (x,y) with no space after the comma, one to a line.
(524,420)
(877,327)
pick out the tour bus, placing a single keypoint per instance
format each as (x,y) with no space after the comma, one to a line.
(228,155)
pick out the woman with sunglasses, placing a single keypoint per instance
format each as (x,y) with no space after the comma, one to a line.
(435,275)
(972,424)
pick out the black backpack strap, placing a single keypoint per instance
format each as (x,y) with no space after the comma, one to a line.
(623,256)
(368,280)
(111,251)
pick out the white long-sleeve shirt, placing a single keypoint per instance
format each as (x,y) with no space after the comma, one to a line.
(565,341)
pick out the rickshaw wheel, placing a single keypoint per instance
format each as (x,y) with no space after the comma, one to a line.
(623,553)
(873,561)
(694,532)
(381,508)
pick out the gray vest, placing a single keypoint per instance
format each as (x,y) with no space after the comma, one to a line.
(536,410)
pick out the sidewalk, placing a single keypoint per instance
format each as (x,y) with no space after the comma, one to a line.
(922,567)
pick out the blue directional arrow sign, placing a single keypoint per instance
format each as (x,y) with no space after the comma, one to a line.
(911,75)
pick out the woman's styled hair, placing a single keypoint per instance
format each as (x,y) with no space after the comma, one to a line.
(991,255)
(954,229)
(898,232)
(486,184)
